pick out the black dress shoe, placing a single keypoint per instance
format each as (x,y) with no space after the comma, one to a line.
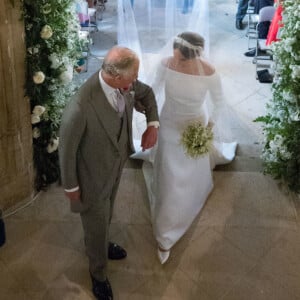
(102,289)
(239,25)
(250,53)
(116,252)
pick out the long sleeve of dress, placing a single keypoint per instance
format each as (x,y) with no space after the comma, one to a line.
(71,131)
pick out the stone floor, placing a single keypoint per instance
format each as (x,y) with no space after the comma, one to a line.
(244,245)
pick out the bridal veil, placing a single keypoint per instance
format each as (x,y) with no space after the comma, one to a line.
(171,38)
(149,26)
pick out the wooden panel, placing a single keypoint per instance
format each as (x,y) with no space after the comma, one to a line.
(16,169)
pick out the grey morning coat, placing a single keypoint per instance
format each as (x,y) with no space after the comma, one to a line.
(91,156)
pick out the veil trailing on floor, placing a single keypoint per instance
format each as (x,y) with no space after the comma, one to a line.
(146,26)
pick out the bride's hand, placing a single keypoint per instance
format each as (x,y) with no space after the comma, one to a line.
(149,137)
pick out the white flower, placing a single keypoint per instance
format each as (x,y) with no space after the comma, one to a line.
(46,32)
(47,9)
(35,119)
(38,110)
(55,61)
(284,153)
(53,145)
(33,50)
(295,71)
(83,35)
(67,75)
(29,26)
(38,77)
(36,133)
(280,114)
(53,87)
(196,139)
(295,55)
(288,96)
(295,116)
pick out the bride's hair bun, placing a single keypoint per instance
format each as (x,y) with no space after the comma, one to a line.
(190,44)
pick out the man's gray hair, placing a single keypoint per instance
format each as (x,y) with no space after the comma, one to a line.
(121,65)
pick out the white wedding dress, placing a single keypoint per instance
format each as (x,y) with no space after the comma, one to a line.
(177,184)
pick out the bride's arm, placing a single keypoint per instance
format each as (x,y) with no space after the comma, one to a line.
(220,112)
(215,88)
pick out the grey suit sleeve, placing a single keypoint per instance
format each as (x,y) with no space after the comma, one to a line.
(71,132)
(145,96)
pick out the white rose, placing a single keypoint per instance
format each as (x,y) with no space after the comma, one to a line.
(38,110)
(46,32)
(36,133)
(53,145)
(67,75)
(38,77)
(35,119)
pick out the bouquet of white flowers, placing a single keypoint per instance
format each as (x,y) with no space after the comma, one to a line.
(197,139)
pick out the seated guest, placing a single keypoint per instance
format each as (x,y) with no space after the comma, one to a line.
(259,4)
(263,28)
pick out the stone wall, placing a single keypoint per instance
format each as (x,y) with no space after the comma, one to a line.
(16,166)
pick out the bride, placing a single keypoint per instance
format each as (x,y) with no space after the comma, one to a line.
(178,185)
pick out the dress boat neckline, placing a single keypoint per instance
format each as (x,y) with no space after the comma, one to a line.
(193,75)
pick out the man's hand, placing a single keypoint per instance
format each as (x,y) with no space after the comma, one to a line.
(73,196)
(149,137)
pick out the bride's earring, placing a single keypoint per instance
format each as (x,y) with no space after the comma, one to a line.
(163,255)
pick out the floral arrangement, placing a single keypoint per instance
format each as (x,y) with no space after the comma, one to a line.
(53,49)
(196,139)
(281,124)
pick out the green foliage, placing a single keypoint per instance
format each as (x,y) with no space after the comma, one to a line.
(281,125)
(53,49)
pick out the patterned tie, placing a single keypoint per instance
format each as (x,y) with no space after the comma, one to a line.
(120,102)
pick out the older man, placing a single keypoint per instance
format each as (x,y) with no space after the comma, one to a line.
(95,142)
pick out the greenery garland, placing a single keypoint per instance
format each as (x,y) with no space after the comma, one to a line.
(281,125)
(196,139)
(53,49)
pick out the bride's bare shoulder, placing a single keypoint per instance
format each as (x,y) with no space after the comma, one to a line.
(208,68)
